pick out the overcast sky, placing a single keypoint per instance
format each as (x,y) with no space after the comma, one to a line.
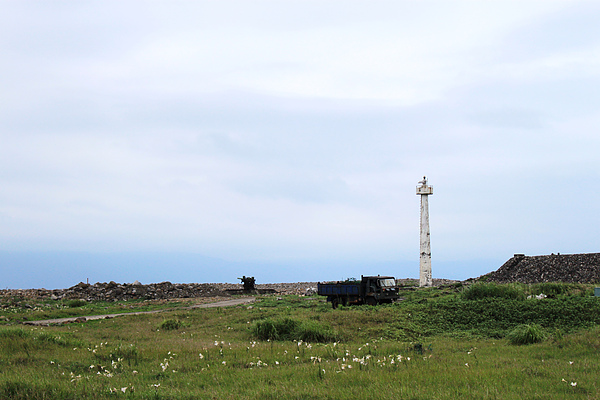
(197,141)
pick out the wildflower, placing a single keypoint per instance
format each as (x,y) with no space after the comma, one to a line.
(201,356)
(124,389)
(134,372)
(156,385)
(164,365)
(573,384)
(570,362)
(224,362)
(466,364)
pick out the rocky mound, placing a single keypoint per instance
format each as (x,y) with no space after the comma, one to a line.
(571,268)
(113,291)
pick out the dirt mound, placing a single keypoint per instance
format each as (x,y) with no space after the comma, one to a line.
(572,268)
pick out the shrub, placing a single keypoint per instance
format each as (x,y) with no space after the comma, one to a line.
(483,290)
(526,334)
(550,288)
(276,329)
(312,331)
(291,329)
(170,324)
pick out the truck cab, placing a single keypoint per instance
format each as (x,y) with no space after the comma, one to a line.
(379,289)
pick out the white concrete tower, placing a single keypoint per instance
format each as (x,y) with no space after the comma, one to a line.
(425,265)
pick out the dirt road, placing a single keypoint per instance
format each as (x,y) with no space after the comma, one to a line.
(224,303)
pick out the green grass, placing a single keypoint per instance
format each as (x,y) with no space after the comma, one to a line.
(292,329)
(435,345)
(15,310)
(526,334)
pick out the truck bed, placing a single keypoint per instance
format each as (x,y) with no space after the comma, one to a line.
(336,289)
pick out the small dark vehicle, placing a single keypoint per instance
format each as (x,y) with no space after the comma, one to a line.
(370,290)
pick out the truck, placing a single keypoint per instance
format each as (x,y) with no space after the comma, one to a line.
(370,290)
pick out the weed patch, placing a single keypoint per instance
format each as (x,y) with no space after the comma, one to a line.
(291,329)
(171,325)
(479,291)
(76,303)
(526,334)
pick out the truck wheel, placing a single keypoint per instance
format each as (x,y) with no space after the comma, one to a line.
(334,303)
(371,301)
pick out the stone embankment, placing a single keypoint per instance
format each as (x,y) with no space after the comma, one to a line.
(571,268)
(113,291)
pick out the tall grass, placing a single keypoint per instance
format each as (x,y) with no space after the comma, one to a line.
(479,291)
(293,330)
(387,352)
(526,334)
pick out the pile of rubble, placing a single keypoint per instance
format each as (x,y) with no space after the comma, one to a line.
(572,268)
(113,291)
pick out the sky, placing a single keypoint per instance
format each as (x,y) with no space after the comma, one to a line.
(199,141)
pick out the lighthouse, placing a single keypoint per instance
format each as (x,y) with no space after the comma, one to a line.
(424,191)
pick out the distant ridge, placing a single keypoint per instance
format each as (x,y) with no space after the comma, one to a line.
(571,268)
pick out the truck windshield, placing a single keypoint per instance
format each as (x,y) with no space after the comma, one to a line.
(387,282)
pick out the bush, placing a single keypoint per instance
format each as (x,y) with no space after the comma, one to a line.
(291,329)
(170,324)
(549,288)
(526,334)
(484,290)
(312,331)
(496,317)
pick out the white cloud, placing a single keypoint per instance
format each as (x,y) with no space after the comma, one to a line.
(298,130)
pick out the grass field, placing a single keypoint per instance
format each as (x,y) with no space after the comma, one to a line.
(439,343)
